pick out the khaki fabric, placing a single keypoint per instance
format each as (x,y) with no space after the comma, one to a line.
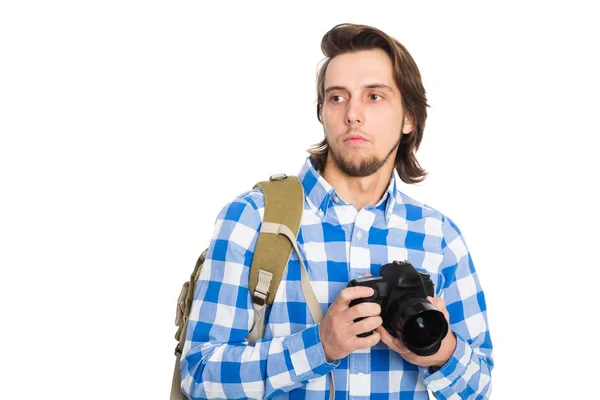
(284,203)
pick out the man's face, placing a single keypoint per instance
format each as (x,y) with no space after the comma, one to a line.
(362,112)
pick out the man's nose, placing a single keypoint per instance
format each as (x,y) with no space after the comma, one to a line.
(355,113)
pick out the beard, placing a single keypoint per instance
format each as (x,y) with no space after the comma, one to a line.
(366,167)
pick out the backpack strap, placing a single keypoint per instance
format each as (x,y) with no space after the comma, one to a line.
(284,204)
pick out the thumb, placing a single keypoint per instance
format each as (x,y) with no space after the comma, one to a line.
(440,304)
(437,302)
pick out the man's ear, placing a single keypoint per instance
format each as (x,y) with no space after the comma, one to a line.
(409,124)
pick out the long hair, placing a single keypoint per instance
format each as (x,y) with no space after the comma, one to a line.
(345,38)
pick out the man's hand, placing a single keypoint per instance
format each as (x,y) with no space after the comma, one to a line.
(436,360)
(338,330)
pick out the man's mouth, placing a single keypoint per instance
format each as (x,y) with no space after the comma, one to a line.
(355,139)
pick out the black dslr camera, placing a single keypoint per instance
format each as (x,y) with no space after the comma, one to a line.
(401,292)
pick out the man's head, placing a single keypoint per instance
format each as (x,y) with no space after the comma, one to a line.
(371,102)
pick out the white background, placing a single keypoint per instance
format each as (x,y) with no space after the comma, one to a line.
(126,126)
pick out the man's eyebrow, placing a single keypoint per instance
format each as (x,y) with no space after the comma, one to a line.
(370,86)
(332,88)
(379,86)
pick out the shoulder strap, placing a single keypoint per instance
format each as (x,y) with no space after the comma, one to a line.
(284,203)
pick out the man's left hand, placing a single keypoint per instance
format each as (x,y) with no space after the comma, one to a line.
(436,360)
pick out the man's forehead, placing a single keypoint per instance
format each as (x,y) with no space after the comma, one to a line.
(362,68)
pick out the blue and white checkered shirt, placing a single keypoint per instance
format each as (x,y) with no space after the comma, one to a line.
(338,243)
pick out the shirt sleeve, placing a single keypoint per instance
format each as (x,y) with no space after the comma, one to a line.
(217,361)
(467,374)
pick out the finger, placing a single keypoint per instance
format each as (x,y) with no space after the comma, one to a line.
(366,342)
(440,304)
(393,342)
(366,309)
(353,293)
(386,337)
(366,275)
(400,346)
(365,325)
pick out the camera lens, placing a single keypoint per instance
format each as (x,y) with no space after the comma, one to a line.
(424,329)
(420,325)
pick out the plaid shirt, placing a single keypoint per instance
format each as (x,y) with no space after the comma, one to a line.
(338,243)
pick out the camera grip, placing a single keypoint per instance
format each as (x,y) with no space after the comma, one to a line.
(372,299)
(379,287)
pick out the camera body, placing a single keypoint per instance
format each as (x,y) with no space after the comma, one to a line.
(402,292)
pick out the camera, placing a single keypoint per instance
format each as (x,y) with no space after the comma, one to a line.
(401,292)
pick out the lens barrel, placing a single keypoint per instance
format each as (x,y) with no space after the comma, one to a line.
(419,324)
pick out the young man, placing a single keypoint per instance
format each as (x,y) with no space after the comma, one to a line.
(372,105)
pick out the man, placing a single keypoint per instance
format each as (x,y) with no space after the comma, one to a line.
(372,105)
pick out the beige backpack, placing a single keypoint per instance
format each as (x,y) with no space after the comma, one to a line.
(284,203)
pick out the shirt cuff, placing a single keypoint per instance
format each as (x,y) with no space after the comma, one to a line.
(454,368)
(307,355)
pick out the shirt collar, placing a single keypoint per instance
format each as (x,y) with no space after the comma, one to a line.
(321,194)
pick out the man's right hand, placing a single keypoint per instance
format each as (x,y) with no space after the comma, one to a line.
(338,330)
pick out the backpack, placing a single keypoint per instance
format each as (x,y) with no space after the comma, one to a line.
(284,203)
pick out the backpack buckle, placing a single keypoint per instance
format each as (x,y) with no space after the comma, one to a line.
(178,350)
(277,177)
(260,298)
(261,291)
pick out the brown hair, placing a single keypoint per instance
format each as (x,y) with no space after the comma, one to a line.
(344,38)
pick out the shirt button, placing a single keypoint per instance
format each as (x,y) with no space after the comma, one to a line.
(321,213)
(360,376)
(359,235)
(336,199)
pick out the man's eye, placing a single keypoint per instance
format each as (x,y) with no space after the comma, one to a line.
(375,97)
(336,99)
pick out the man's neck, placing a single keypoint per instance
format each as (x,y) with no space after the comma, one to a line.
(358,191)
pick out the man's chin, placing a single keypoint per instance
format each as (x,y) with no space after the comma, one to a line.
(362,169)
